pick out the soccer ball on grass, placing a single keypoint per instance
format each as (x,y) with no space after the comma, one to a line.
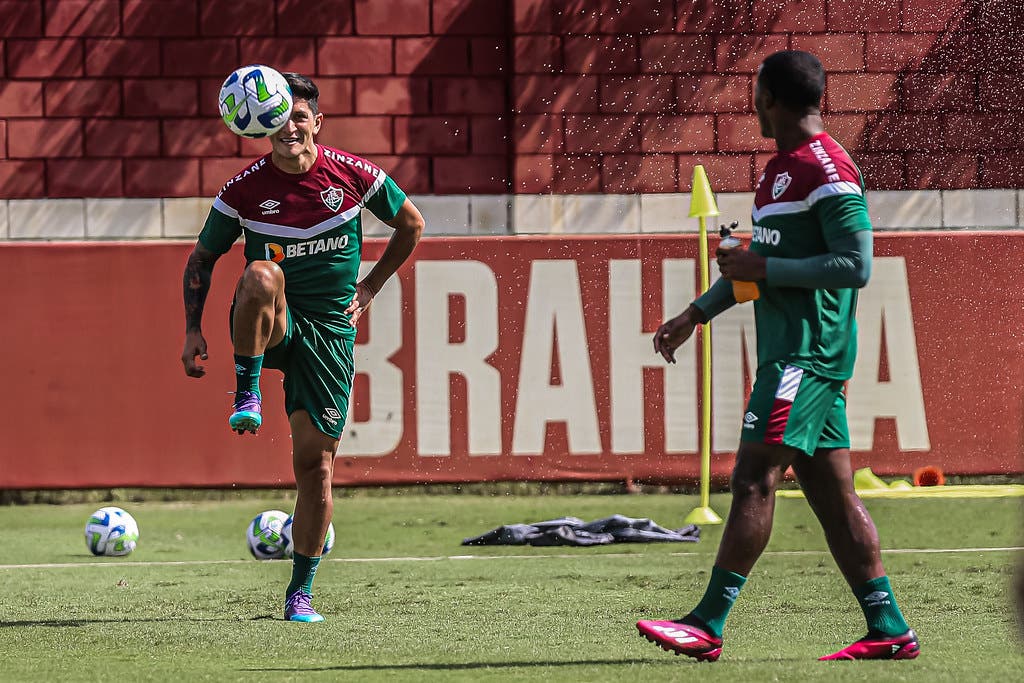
(111,531)
(289,547)
(255,101)
(264,535)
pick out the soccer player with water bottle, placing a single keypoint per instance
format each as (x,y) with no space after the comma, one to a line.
(811,252)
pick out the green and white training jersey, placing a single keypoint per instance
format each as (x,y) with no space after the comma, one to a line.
(805,198)
(308,223)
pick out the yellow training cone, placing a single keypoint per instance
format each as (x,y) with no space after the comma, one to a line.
(866,480)
(702,200)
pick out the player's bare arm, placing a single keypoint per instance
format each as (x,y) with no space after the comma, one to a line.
(408,225)
(196,285)
(672,333)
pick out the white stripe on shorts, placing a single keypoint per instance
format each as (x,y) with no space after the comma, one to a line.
(789,383)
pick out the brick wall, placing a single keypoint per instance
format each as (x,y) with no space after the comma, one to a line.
(117,98)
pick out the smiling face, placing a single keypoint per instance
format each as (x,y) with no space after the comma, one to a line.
(296,136)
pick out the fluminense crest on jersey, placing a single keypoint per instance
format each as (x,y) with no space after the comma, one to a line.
(782,181)
(332,197)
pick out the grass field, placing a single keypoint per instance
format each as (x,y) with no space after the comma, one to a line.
(404,604)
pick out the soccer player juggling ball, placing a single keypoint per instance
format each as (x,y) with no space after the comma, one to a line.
(810,253)
(297,303)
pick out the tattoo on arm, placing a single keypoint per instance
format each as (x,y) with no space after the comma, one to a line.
(196,285)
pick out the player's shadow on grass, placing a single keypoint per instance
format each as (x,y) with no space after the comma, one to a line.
(60,623)
(457,666)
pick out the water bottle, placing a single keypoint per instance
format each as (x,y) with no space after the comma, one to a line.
(741,291)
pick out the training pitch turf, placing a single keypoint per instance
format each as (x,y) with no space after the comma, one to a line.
(405,602)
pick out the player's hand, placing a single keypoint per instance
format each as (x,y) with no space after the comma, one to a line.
(672,333)
(741,264)
(195,345)
(360,302)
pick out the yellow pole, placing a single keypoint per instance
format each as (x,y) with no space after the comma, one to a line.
(702,205)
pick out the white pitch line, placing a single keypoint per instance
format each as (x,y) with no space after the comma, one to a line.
(440,558)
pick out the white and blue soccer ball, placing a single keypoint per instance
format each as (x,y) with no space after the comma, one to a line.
(255,101)
(266,541)
(289,548)
(111,531)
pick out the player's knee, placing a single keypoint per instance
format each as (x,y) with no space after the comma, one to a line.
(313,470)
(752,485)
(262,278)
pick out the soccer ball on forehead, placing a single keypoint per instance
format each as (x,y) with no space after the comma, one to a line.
(111,531)
(264,535)
(255,101)
(289,547)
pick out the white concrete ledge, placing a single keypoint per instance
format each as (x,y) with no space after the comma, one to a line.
(445,214)
(122,219)
(489,214)
(586,214)
(664,212)
(905,210)
(46,219)
(537,213)
(183,218)
(979,208)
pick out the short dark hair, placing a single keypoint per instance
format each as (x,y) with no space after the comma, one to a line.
(795,78)
(303,89)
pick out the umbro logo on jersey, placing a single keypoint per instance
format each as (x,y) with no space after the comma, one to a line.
(332,197)
(748,420)
(270,206)
(782,181)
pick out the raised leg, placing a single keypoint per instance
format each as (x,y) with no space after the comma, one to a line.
(259,322)
(260,316)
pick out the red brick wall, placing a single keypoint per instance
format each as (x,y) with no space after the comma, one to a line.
(107,98)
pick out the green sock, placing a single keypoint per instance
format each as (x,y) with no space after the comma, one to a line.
(303,571)
(880,609)
(247,372)
(713,609)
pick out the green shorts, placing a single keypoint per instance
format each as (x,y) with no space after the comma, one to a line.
(793,407)
(318,369)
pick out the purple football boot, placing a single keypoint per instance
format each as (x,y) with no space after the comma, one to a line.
(247,416)
(297,608)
